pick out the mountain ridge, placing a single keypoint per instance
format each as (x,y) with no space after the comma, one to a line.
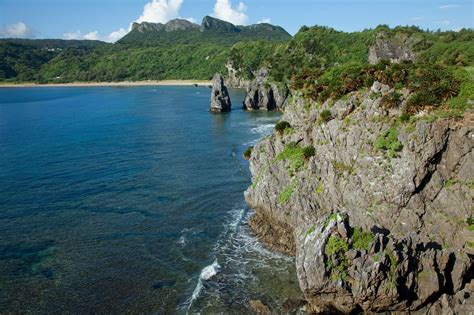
(210,30)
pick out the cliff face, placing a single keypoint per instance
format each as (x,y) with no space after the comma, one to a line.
(377,213)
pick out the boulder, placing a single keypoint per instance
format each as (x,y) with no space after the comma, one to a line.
(220,98)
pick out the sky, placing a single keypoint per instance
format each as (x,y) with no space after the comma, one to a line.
(109,20)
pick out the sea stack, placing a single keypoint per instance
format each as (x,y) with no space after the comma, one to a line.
(220,99)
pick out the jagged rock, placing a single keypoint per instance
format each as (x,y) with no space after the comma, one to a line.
(171,26)
(147,27)
(292,306)
(264,95)
(210,23)
(406,275)
(421,194)
(220,98)
(396,49)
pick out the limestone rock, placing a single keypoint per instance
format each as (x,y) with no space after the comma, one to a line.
(210,23)
(421,194)
(396,49)
(220,98)
(402,274)
(264,95)
(180,25)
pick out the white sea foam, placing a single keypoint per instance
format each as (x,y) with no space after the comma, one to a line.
(182,240)
(263,129)
(210,271)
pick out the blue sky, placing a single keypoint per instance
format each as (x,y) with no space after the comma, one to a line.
(110,19)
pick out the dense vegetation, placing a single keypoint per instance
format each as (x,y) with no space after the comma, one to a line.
(323,63)
(23,59)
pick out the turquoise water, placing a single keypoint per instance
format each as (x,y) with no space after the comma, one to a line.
(120,200)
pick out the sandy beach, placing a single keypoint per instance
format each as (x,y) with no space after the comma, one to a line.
(112,84)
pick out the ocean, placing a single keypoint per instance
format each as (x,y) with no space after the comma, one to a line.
(130,199)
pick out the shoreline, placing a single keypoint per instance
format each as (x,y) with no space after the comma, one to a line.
(111,84)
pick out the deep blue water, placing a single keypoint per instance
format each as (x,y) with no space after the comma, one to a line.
(115,200)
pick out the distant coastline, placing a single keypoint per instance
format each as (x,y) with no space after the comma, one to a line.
(111,84)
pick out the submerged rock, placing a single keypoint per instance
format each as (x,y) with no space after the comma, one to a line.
(259,308)
(220,98)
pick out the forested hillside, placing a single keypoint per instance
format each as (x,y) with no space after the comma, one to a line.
(176,50)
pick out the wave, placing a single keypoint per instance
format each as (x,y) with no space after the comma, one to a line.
(210,271)
(207,273)
(263,129)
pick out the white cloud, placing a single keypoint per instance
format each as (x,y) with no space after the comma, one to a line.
(115,36)
(73,35)
(265,20)
(92,36)
(160,11)
(223,10)
(17,30)
(111,38)
(449,6)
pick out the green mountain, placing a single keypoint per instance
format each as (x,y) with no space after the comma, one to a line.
(211,30)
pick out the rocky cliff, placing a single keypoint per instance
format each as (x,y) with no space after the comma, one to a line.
(396,48)
(262,94)
(376,209)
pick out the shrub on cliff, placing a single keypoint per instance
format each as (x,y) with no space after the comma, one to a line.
(281,126)
(248,153)
(388,141)
(391,100)
(361,239)
(325,115)
(432,86)
(285,195)
(309,152)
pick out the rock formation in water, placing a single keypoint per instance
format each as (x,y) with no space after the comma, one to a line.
(220,98)
(261,94)
(378,213)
